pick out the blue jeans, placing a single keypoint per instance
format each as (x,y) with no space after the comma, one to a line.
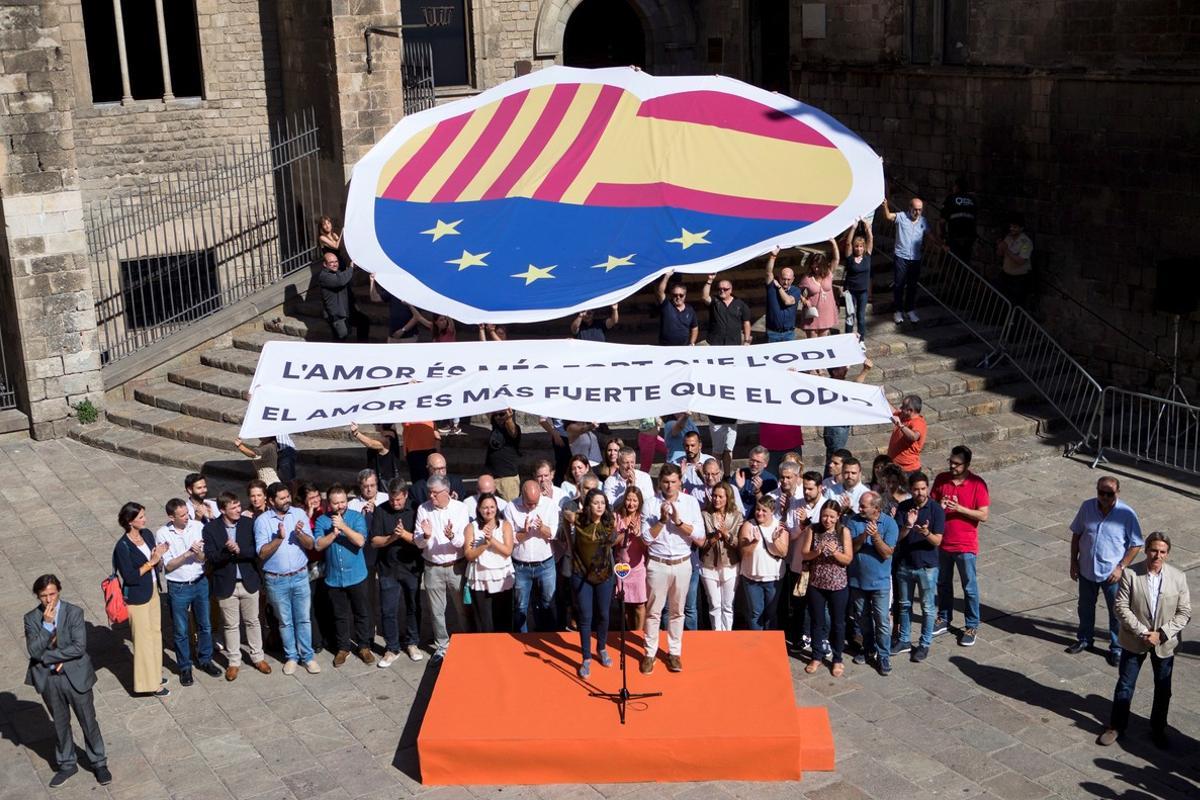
(595,602)
(391,591)
(691,608)
(905,279)
(194,597)
(781,336)
(1087,611)
(906,578)
(835,437)
(859,324)
(1127,675)
(760,603)
(289,596)
(877,637)
(286,464)
(543,610)
(965,564)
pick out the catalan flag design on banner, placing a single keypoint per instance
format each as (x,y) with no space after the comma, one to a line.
(568,189)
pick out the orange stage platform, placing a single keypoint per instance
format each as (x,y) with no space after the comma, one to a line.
(509,709)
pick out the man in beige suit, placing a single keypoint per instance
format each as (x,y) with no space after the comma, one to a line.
(1153,606)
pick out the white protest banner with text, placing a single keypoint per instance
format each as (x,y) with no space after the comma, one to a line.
(600,394)
(320,366)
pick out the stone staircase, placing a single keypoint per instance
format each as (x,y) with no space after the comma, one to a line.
(190,418)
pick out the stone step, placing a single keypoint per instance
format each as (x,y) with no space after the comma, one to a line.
(960,350)
(638,318)
(885,338)
(194,402)
(334,450)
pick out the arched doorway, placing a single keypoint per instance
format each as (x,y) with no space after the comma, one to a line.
(604,33)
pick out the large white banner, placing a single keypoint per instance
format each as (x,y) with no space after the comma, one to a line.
(599,394)
(317,366)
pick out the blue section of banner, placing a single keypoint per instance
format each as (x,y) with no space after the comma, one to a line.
(517,253)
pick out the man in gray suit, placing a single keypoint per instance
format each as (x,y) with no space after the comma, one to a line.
(60,670)
(1153,606)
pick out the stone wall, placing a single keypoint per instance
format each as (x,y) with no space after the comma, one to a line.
(1102,161)
(118,145)
(49,324)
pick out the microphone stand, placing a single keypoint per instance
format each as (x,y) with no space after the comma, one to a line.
(622,698)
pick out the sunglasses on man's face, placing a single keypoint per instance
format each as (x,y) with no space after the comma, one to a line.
(1105,493)
(678,296)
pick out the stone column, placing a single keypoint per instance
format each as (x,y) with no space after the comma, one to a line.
(122,57)
(54,358)
(164,55)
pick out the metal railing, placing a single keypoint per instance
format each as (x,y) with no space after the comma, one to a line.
(417,72)
(1058,377)
(8,392)
(1148,428)
(968,296)
(1013,335)
(188,244)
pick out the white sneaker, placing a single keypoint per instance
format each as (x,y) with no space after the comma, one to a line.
(313,667)
(898,317)
(388,659)
(289,668)
(414,653)
(912,317)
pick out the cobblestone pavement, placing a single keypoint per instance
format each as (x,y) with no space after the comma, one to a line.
(1013,717)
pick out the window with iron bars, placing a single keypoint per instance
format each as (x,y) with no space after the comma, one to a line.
(142,50)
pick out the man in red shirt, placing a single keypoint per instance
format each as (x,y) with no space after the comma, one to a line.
(963,495)
(908,435)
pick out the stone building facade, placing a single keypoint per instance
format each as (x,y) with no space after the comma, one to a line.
(1081,114)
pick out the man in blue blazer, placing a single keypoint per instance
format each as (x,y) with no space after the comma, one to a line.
(61,672)
(233,563)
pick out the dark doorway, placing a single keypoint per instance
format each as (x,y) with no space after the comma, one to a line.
(604,33)
(770,45)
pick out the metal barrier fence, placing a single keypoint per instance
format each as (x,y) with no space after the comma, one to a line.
(1065,384)
(188,244)
(1013,335)
(417,74)
(1150,429)
(968,297)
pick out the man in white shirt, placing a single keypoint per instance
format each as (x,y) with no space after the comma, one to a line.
(851,489)
(199,507)
(187,589)
(693,461)
(786,496)
(714,475)
(627,475)
(543,473)
(675,526)
(440,527)
(484,484)
(534,521)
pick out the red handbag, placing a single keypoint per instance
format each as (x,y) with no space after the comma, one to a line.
(114,600)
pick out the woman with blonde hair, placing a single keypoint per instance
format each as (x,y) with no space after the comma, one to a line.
(719,555)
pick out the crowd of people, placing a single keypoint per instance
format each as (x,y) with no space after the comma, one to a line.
(835,556)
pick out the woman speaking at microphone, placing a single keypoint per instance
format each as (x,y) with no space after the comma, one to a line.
(593,537)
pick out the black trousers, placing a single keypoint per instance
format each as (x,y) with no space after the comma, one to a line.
(358,320)
(351,615)
(490,608)
(60,697)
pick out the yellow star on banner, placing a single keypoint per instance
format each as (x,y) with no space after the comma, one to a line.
(444,229)
(470,260)
(687,238)
(534,273)
(613,262)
